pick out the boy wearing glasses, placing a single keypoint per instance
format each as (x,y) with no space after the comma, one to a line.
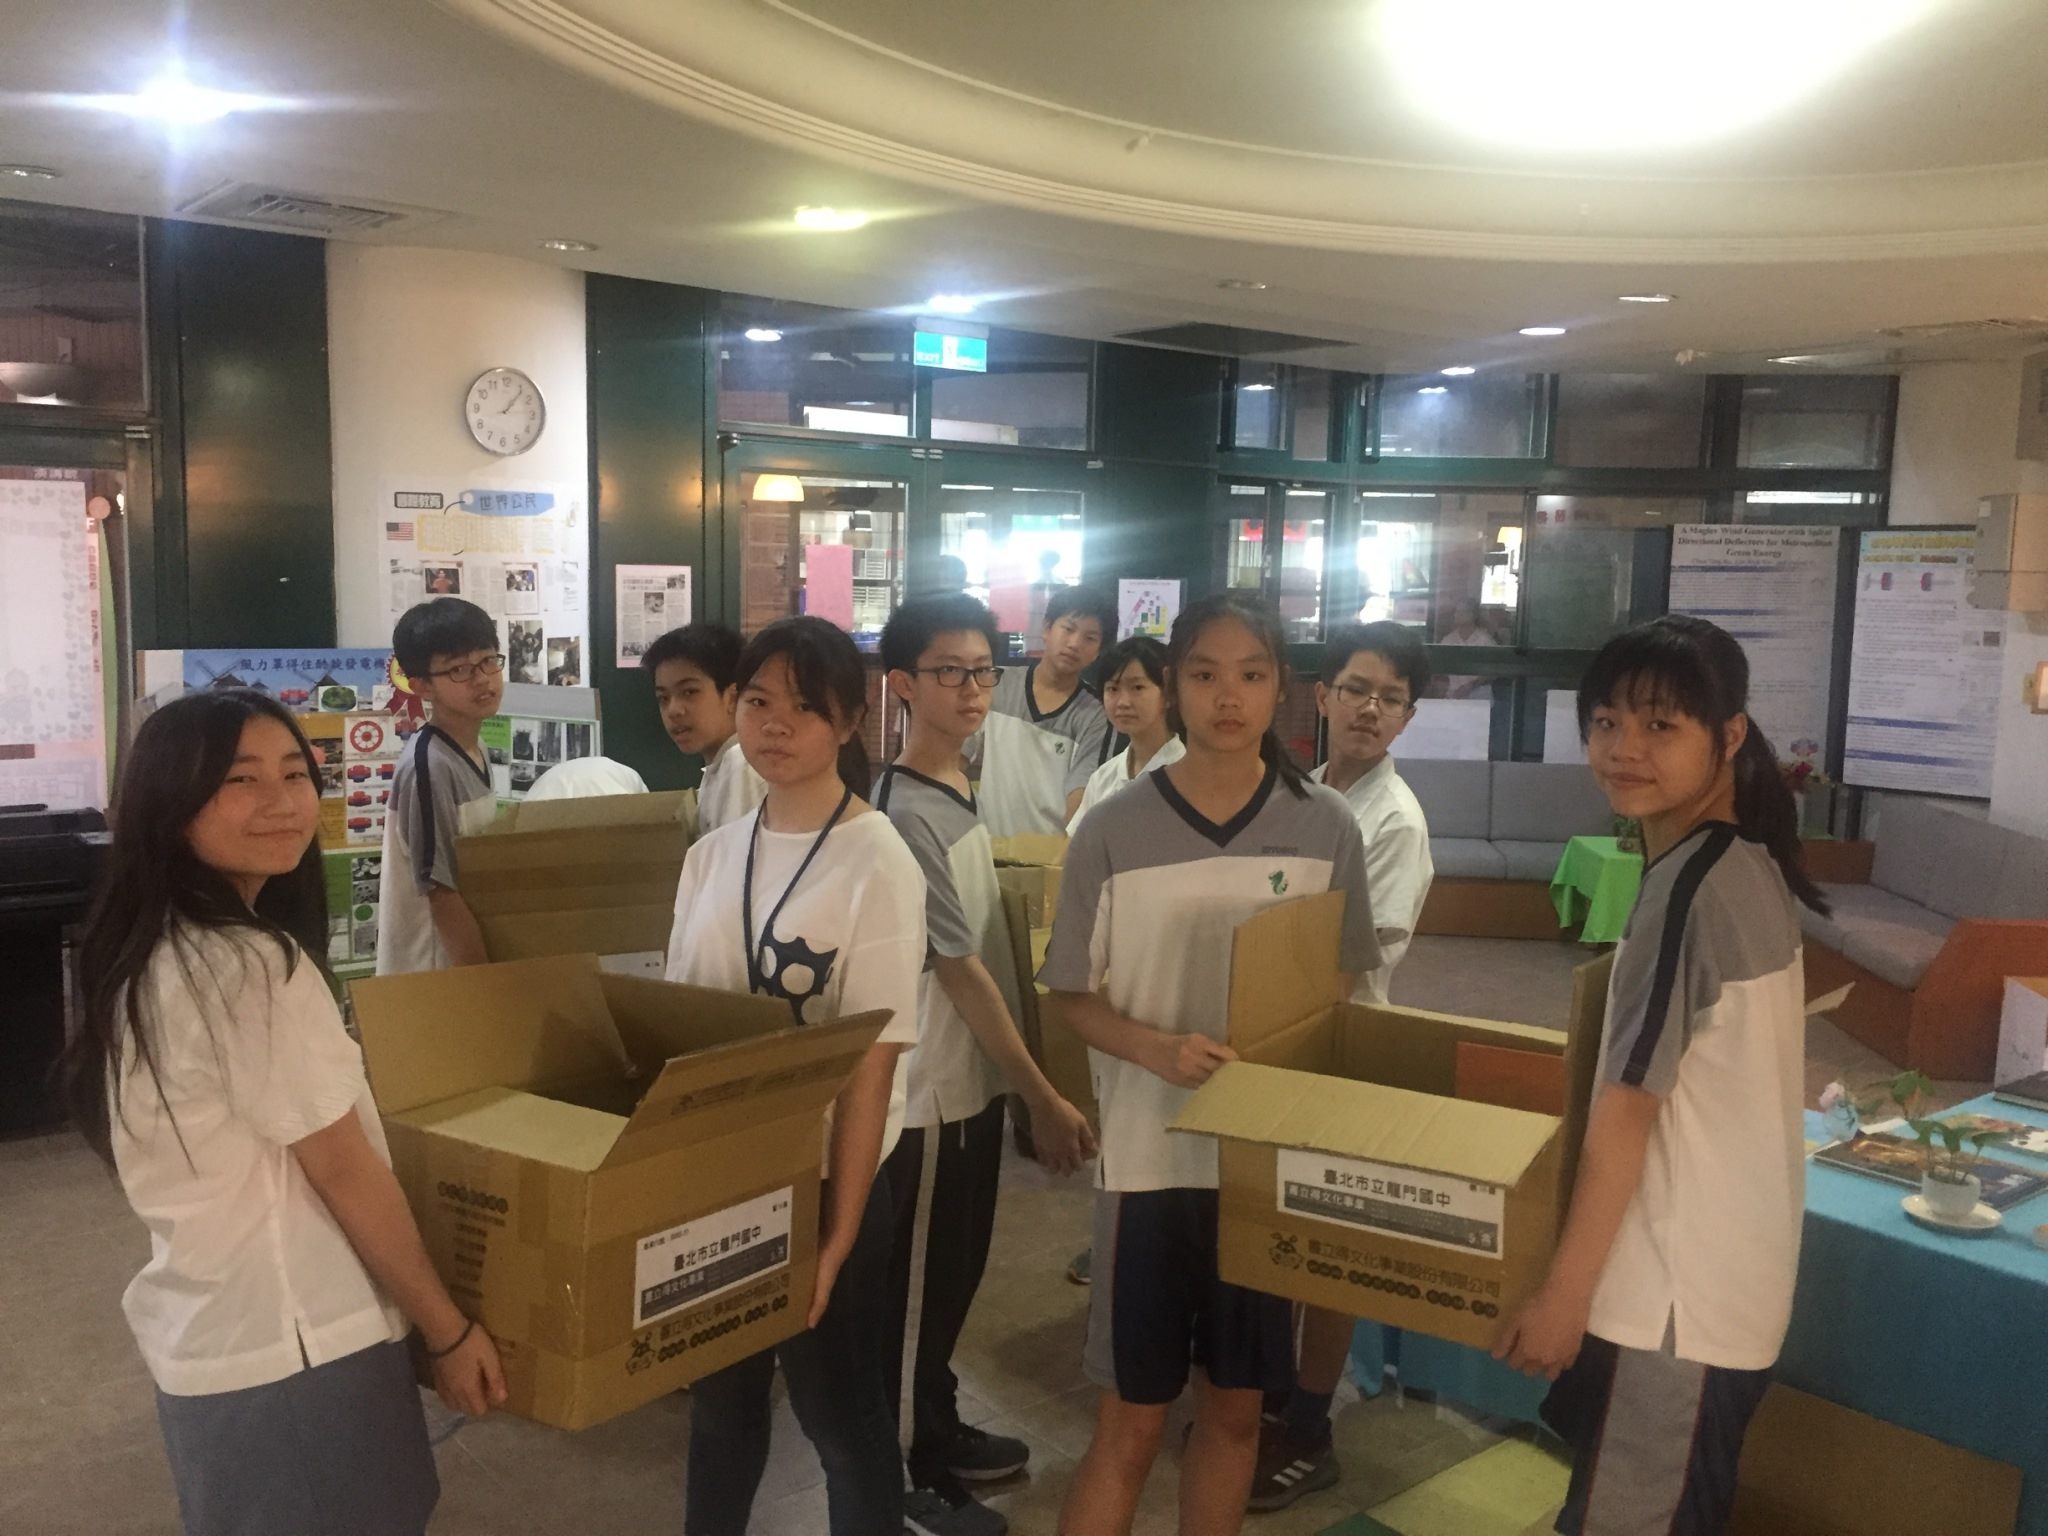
(939,653)
(442,789)
(1373,674)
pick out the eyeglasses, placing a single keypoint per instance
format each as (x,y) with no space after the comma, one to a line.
(467,671)
(1357,696)
(951,676)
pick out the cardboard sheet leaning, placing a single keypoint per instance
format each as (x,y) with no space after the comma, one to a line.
(618,1177)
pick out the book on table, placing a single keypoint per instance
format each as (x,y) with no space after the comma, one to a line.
(1900,1160)
(2018,1135)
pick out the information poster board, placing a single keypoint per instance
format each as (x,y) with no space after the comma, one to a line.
(1924,669)
(52,687)
(1454,729)
(1147,606)
(1774,590)
(647,602)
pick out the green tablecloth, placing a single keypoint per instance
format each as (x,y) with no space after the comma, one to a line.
(1597,881)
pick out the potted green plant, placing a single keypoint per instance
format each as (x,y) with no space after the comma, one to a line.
(1949,1155)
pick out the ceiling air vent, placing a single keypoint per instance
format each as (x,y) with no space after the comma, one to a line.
(1229,340)
(1969,330)
(273,208)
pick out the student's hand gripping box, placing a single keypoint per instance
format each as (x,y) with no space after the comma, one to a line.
(1353,1176)
(596,875)
(617,1177)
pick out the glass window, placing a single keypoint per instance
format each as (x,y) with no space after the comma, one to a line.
(797,365)
(1012,549)
(1630,420)
(836,552)
(1244,538)
(1281,408)
(1491,415)
(1845,509)
(70,308)
(1304,546)
(1594,561)
(1034,395)
(1478,590)
(1309,405)
(1257,414)
(1392,558)
(1839,422)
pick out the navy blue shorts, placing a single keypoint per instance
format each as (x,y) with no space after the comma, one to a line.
(1655,1440)
(1156,1305)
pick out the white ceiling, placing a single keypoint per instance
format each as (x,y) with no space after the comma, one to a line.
(1092,168)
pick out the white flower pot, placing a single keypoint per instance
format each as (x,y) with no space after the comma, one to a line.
(1949,1199)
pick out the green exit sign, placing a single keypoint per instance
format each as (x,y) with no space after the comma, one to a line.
(933,349)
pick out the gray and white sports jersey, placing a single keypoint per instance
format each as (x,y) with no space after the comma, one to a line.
(949,1077)
(1149,904)
(1025,784)
(1706,1010)
(438,793)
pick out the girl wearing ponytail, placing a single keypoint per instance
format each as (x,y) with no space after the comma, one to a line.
(1667,1299)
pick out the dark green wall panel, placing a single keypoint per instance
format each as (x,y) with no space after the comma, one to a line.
(1158,405)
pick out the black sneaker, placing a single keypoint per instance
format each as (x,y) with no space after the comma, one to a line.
(1288,1468)
(946,1510)
(975,1456)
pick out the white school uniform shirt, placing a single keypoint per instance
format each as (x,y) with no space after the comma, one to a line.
(729,788)
(439,793)
(949,1077)
(850,938)
(1116,774)
(1149,905)
(1706,1009)
(1397,865)
(247,1268)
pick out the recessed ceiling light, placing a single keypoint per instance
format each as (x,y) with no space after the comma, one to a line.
(567,245)
(1459,371)
(1802,357)
(951,304)
(835,219)
(762,333)
(1542,330)
(171,98)
(30,172)
(1646,298)
(1243,284)
(1433,389)
(1256,389)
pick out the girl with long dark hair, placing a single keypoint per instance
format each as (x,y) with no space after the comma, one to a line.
(816,900)
(1134,697)
(211,1069)
(1668,1298)
(1157,879)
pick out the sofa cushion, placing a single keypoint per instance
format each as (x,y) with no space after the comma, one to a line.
(2022,889)
(1453,795)
(1908,839)
(1885,934)
(1528,860)
(1546,803)
(1466,858)
(1940,858)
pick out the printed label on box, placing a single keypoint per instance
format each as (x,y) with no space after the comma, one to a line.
(709,1256)
(1422,1207)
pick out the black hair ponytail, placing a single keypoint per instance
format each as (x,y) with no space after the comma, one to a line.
(1258,617)
(1696,668)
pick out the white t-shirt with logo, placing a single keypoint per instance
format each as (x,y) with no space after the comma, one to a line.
(1397,865)
(247,1267)
(850,938)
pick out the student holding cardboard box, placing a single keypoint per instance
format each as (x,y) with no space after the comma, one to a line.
(693,670)
(814,899)
(1668,1297)
(1373,675)
(448,648)
(940,655)
(212,1071)
(1156,882)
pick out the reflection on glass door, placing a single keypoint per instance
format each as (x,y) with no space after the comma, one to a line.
(1392,555)
(1012,548)
(1304,546)
(825,545)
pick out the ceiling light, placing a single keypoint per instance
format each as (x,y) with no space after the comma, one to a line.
(1646,298)
(836,219)
(778,488)
(1460,371)
(1243,284)
(1602,62)
(762,333)
(1542,330)
(951,304)
(1803,357)
(30,172)
(567,245)
(171,98)
(1255,389)
(1432,389)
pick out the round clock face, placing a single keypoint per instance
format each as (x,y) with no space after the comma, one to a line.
(505,411)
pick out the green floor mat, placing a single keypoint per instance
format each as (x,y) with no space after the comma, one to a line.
(1506,1490)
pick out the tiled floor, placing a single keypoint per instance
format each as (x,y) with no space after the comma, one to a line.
(79,1451)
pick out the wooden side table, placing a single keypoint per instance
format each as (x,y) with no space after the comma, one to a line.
(1834,861)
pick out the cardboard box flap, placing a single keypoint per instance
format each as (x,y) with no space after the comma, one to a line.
(530,1024)
(524,1125)
(661,1019)
(772,1077)
(577,812)
(1048,848)
(1272,1105)
(1283,966)
(553,871)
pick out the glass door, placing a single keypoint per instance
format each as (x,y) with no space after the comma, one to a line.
(1011,535)
(1275,540)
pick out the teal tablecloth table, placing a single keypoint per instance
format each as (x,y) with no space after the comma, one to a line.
(1946,1336)
(1596,881)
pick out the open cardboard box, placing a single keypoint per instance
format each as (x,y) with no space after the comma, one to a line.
(617,1177)
(1031,865)
(596,875)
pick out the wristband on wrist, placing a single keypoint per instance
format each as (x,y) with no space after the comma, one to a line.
(461,1339)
